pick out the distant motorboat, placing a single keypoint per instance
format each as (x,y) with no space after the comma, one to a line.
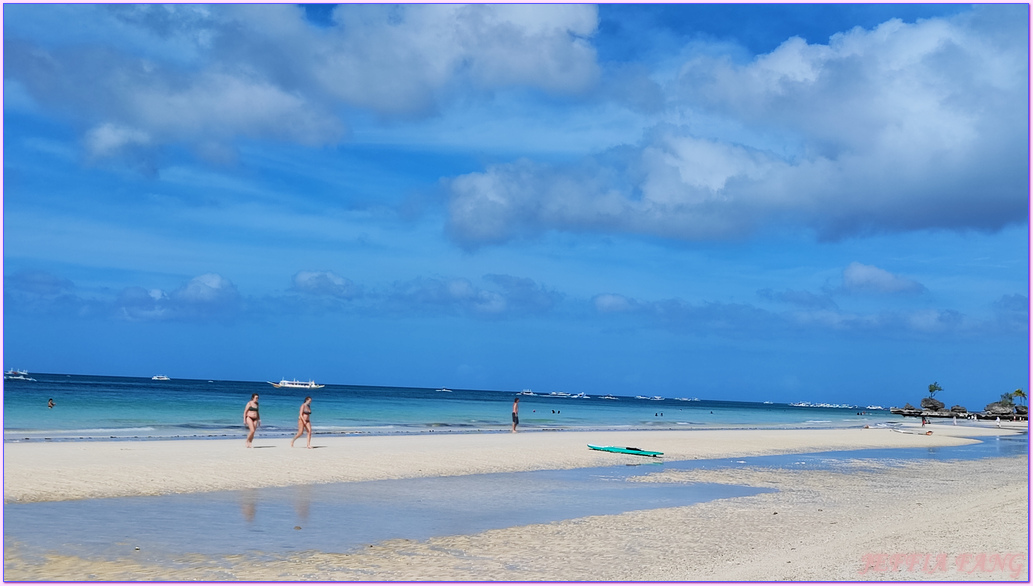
(160,377)
(444,390)
(656,398)
(641,397)
(610,397)
(580,396)
(18,375)
(296,384)
(875,408)
(526,392)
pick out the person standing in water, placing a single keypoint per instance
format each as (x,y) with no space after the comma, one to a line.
(251,418)
(304,422)
(516,418)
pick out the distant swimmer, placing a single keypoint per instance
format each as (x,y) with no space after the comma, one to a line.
(516,417)
(251,418)
(304,422)
(50,403)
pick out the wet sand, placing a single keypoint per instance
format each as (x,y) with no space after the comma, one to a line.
(50,471)
(820,525)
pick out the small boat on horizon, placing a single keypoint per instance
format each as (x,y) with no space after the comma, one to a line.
(296,384)
(160,377)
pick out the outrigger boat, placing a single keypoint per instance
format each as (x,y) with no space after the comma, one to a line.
(17,375)
(296,384)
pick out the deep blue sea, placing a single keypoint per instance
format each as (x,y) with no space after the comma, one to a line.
(102,407)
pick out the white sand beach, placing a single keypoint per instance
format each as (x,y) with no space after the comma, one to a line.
(819,525)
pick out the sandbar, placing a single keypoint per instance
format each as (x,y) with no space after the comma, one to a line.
(51,471)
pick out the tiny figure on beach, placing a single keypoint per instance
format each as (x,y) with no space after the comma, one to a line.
(998,422)
(251,418)
(304,422)
(50,403)
(516,418)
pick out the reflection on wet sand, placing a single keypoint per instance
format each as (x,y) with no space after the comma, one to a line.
(248,504)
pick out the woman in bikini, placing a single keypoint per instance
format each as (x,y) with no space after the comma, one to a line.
(304,423)
(251,418)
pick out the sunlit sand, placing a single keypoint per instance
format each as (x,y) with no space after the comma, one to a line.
(819,525)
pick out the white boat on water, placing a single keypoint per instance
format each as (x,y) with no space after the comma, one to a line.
(160,377)
(17,375)
(526,392)
(296,384)
(444,390)
(610,397)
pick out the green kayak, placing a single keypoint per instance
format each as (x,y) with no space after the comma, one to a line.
(618,450)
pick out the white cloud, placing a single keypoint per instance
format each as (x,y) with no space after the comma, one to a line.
(903,127)
(263,71)
(325,283)
(859,277)
(507,296)
(108,139)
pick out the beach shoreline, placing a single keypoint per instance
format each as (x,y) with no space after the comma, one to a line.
(53,471)
(872,519)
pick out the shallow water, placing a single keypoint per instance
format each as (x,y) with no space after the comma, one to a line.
(348,516)
(338,517)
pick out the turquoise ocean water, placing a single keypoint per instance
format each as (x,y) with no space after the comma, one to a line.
(97,407)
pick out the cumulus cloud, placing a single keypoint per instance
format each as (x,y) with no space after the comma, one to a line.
(510,296)
(613,303)
(213,74)
(859,277)
(813,313)
(902,127)
(206,297)
(325,283)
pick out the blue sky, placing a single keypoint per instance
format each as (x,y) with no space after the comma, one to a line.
(759,202)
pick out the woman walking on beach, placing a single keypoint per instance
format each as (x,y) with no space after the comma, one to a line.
(251,418)
(304,422)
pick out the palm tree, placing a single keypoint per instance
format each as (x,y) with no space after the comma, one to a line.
(934,388)
(1019,394)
